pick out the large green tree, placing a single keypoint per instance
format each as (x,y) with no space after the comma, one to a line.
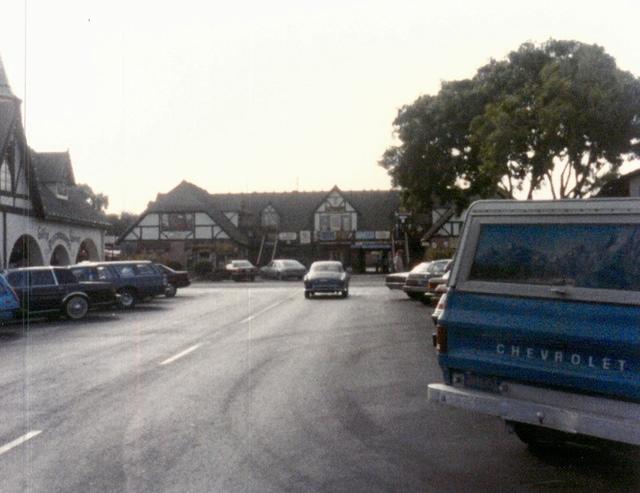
(560,115)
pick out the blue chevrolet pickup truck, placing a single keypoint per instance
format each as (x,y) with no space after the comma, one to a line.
(541,325)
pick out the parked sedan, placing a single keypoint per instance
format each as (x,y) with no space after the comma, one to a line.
(326,277)
(417,282)
(175,279)
(283,269)
(134,280)
(396,280)
(239,270)
(55,291)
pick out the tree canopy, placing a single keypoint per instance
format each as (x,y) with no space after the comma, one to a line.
(560,115)
(98,201)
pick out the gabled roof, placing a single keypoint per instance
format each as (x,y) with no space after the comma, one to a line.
(5,89)
(53,167)
(187,197)
(74,209)
(618,187)
(375,208)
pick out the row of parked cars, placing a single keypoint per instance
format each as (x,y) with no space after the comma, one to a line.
(243,270)
(425,282)
(72,291)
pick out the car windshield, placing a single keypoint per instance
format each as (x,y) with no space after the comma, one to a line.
(292,264)
(328,267)
(437,267)
(241,263)
(421,268)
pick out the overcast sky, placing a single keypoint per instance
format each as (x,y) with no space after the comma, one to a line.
(258,96)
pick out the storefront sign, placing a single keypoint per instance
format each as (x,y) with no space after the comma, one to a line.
(371,245)
(383,235)
(287,236)
(327,235)
(305,237)
(365,235)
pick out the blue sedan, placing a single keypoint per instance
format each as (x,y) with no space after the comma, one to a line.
(326,277)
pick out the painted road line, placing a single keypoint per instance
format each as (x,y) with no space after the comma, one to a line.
(19,441)
(180,355)
(270,307)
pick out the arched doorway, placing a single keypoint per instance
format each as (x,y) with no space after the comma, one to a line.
(60,256)
(25,252)
(87,251)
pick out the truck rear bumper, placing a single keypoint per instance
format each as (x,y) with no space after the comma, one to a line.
(572,413)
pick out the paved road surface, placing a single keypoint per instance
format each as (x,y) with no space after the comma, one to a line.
(250,387)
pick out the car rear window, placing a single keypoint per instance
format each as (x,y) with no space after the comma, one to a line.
(65,276)
(146,270)
(326,268)
(598,256)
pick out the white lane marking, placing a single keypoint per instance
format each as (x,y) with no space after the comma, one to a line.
(257,314)
(180,355)
(19,441)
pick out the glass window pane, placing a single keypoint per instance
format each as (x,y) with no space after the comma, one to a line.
(41,278)
(599,256)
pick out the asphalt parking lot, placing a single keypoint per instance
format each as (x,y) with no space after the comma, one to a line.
(250,387)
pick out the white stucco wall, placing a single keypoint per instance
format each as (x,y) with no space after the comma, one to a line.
(49,235)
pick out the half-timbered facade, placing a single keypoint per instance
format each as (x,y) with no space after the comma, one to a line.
(43,217)
(188,224)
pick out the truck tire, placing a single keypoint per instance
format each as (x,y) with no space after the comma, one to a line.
(540,437)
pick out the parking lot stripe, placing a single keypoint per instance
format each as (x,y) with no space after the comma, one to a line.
(270,307)
(180,355)
(19,441)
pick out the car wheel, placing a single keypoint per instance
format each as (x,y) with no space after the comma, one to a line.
(344,293)
(307,294)
(252,278)
(279,276)
(170,291)
(76,307)
(127,298)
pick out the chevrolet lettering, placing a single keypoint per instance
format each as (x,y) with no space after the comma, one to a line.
(575,359)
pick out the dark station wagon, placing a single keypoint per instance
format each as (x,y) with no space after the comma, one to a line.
(134,280)
(55,291)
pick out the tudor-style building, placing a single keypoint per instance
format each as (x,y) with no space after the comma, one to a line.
(188,224)
(43,217)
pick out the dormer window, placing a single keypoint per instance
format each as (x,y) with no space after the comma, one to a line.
(270,217)
(5,177)
(62,191)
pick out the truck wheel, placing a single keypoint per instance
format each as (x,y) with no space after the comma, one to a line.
(539,437)
(127,298)
(76,307)
(170,291)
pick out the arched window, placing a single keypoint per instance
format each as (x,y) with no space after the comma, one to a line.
(5,177)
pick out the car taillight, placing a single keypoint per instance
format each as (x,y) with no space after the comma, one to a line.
(441,338)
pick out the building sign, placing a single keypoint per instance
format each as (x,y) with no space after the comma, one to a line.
(365,235)
(305,237)
(371,245)
(327,235)
(383,235)
(287,236)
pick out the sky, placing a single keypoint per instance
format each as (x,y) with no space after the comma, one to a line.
(258,96)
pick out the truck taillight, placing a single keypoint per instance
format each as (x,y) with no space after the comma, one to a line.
(441,338)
